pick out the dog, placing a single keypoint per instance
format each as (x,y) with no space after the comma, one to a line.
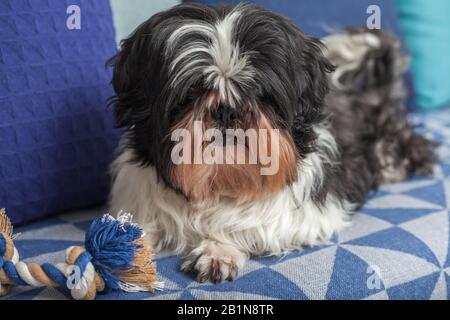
(335,107)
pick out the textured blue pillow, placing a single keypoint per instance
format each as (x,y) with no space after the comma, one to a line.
(56,133)
(426,26)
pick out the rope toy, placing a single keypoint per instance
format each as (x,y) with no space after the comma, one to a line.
(116,257)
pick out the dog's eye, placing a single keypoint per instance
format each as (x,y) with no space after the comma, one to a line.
(267,99)
(189,99)
(191,96)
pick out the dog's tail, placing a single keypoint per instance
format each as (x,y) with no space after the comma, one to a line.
(367,59)
(369,76)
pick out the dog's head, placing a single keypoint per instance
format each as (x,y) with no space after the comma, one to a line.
(222,68)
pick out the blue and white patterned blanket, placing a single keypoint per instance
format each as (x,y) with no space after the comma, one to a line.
(397,248)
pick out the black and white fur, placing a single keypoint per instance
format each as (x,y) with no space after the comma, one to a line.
(347,140)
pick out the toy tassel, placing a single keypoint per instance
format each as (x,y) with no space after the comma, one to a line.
(116,257)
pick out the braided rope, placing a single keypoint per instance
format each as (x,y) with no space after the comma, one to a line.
(78,273)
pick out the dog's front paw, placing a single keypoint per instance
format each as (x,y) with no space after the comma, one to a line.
(215,262)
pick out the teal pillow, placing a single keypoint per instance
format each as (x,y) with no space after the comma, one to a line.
(426,26)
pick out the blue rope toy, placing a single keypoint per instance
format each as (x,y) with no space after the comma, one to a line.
(116,257)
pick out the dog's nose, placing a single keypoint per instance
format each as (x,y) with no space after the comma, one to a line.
(226,116)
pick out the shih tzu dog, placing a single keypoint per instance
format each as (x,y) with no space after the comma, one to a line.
(334,107)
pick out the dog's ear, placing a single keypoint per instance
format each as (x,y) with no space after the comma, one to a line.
(130,66)
(312,69)
(312,76)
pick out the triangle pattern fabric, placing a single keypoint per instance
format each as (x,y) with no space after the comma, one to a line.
(447,280)
(382,295)
(447,192)
(171,296)
(274,260)
(311,272)
(433,193)
(350,278)
(363,225)
(445,167)
(23,294)
(265,282)
(399,215)
(407,185)
(186,295)
(169,267)
(433,230)
(378,194)
(419,289)
(229,295)
(440,290)
(399,240)
(50,294)
(395,267)
(400,201)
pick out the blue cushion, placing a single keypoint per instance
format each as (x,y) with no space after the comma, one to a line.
(57,135)
(427,31)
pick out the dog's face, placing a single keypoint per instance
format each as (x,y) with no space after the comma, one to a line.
(225,68)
